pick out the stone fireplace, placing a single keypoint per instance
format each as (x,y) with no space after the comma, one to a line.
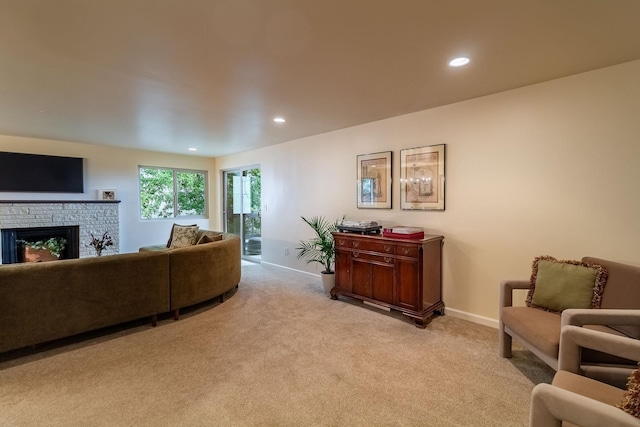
(37,217)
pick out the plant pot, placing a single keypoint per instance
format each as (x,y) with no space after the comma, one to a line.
(38,255)
(328,281)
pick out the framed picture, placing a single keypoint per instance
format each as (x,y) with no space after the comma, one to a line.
(107,194)
(374,180)
(422,178)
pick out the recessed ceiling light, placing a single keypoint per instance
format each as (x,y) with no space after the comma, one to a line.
(279,120)
(193,149)
(459,62)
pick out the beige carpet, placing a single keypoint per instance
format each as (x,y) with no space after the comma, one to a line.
(278,352)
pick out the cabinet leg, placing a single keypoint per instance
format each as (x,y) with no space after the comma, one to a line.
(333,295)
(422,323)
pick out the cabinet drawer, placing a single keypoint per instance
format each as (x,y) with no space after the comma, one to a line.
(365,256)
(365,245)
(342,242)
(408,251)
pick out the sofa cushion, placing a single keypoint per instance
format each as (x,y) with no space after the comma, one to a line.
(153,248)
(183,236)
(559,285)
(540,328)
(631,398)
(588,387)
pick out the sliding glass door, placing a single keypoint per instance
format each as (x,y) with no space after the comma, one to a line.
(242,209)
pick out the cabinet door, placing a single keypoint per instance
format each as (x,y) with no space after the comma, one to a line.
(360,276)
(408,284)
(382,282)
(343,270)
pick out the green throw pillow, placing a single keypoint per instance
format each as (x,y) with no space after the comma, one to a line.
(559,285)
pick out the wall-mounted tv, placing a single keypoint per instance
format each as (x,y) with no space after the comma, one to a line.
(38,173)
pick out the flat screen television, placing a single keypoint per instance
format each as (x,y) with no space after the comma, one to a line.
(38,173)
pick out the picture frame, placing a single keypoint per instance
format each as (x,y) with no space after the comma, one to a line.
(374,180)
(107,194)
(422,178)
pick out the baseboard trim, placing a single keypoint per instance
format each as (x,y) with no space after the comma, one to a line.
(481,320)
(290,269)
(459,314)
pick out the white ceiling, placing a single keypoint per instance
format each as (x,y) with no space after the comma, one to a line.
(167,75)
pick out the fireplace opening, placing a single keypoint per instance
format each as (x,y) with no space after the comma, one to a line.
(13,238)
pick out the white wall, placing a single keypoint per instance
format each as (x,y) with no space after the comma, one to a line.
(549,169)
(114,168)
(546,169)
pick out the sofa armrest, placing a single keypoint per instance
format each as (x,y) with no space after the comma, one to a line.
(551,405)
(574,338)
(589,316)
(506,290)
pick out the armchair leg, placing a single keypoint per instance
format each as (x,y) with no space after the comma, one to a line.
(505,342)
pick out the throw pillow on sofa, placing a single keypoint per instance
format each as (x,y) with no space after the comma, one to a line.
(559,285)
(207,238)
(631,398)
(183,236)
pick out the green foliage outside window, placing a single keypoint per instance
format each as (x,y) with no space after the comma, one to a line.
(158,188)
(256,189)
(252,220)
(191,193)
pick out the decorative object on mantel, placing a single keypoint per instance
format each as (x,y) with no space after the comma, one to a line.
(107,194)
(44,250)
(100,244)
(422,178)
(320,249)
(374,180)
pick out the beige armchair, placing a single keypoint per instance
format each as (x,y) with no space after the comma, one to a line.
(539,331)
(573,398)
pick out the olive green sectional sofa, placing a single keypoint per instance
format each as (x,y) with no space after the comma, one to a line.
(198,275)
(41,302)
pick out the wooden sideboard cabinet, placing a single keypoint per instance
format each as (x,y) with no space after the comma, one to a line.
(400,274)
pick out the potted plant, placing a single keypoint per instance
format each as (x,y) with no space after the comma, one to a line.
(101,243)
(320,249)
(44,250)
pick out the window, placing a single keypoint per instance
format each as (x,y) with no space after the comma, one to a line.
(171,193)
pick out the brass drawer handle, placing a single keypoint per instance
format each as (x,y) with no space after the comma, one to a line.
(356,244)
(387,248)
(388,260)
(341,242)
(406,251)
(356,254)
